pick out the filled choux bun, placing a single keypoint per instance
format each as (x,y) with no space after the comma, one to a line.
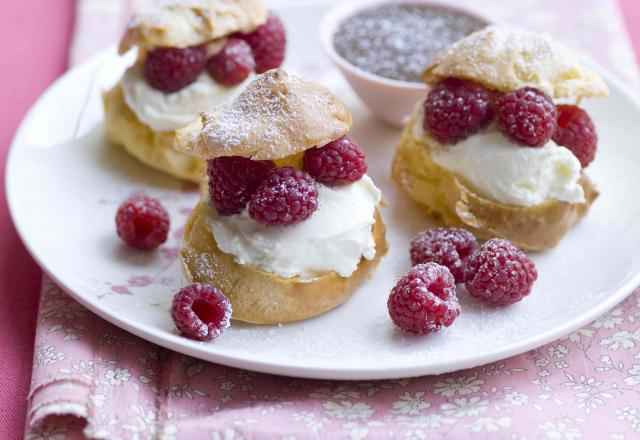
(502,60)
(277,117)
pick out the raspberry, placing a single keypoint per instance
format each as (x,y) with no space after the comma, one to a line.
(268,43)
(449,247)
(455,109)
(285,196)
(424,299)
(142,222)
(233,180)
(170,69)
(527,117)
(201,312)
(576,131)
(232,64)
(499,273)
(338,163)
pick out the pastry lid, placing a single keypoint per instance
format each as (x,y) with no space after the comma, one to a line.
(192,23)
(506,59)
(276,115)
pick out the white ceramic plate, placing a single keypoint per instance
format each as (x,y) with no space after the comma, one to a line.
(64,184)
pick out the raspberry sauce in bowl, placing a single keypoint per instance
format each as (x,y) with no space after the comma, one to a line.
(382,47)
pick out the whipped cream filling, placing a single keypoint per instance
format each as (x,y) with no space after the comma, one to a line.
(508,173)
(170,111)
(333,239)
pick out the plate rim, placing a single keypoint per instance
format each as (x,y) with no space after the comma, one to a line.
(197,349)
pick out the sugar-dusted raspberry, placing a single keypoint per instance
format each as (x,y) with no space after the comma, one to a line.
(169,69)
(338,163)
(499,273)
(455,109)
(286,196)
(576,131)
(268,43)
(233,180)
(142,222)
(424,299)
(232,64)
(449,247)
(527,116)
(201,312)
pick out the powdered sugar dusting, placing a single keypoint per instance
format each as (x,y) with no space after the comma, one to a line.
(276,115)
(191,22)
(505,58)
(255,109)
(204,268)
(492,41)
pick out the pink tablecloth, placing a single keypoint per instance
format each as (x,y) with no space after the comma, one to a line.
(583,386)
(34,42)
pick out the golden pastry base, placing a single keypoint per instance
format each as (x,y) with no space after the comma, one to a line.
(449,201)
(263,298)
(154,149)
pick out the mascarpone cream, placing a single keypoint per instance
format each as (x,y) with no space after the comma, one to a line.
(170,111)
(335,237)
(508,173)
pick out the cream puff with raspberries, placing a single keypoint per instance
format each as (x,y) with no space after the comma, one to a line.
(190,56)
(288,225)
(498,147)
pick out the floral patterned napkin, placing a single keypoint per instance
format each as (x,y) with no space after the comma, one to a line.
(92,379)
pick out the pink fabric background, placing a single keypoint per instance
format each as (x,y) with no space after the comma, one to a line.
(34,43)
(631,13)
(33,51)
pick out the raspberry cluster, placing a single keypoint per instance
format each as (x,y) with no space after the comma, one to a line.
(456,109)
(425,300)
(282,196)
(171,69)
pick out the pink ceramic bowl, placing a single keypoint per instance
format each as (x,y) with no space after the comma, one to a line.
(390,100)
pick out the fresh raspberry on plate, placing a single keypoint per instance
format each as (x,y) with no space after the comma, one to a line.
(233,180)
(449,247)
(455,109)
(576,131)
(424,300)
(527,116)
(268,43)
(142,222)
(169,69)
(286,196)
(338,163)
(201,312)
(499,273)
(232,64)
